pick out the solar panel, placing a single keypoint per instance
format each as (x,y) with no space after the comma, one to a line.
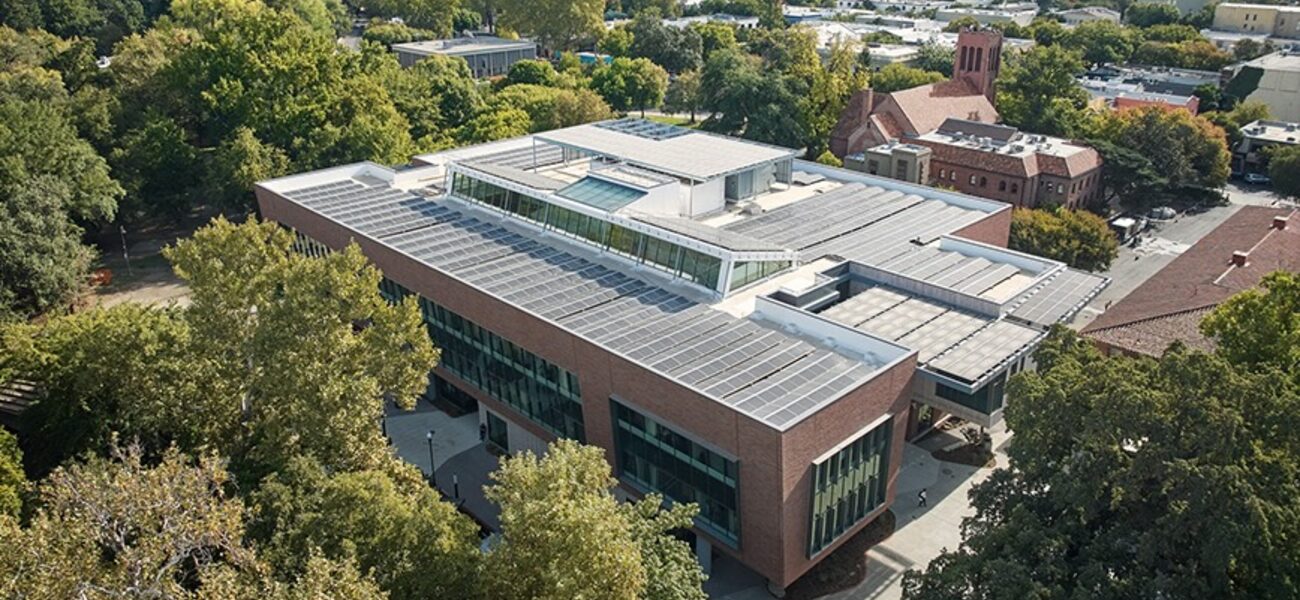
(643,128)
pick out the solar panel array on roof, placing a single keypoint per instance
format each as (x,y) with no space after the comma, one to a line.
(649,130)
(985,350)
(601,194)
(537,155)
(762,372)
(1058,298)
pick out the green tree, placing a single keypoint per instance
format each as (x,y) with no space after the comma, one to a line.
(746,99)
(714,36)
(97,372)
(1171,33)
(1248,49)
(555,24)
(1231,121)
(676,49)
(832,85)
(1149,14)
(496,123)
(43,264)
(237,164)
(1077,238)
(434,15)
(393,526)
(13,482)
(826,158)
(37,140)
(617,42)
(1129,177)
(389,33)
(122,528)
(1188,152)
(961,23)
(1260,328)
(552,108)
(537,72)
(897,76)
(1127,471)
(1102,42)
(291,371)
(684,94)
(631,83)
(159,169)
(564,535)
(1047,32)
(1284,170)
(936,58)
(1038,91)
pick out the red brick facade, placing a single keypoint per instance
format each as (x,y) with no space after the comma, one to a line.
(775,468)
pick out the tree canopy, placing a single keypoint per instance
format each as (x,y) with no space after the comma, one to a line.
(896,76)
(1037,91)
(1134,477)
(1284,170)
(1187,152)
(1078,238)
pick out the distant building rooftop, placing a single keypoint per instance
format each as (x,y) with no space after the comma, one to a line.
(1280,132)
(463,46)
(1006,150)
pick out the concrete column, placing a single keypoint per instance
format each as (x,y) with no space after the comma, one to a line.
(704,554)
(777,591)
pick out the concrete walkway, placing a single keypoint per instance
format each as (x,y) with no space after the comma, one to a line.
(407,431)
(921,533)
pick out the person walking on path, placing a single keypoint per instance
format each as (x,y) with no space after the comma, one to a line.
(920,497)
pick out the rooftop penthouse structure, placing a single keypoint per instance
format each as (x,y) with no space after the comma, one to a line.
(734,326)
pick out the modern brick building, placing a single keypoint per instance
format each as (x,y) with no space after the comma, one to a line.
(1001,163)
(734,327)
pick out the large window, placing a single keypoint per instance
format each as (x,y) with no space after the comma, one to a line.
(656,458)
(848,485)
(543,392)
(985,400)
(688,264)
(538,389)
(745,273)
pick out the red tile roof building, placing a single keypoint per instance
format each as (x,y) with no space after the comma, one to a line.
(1001,163)
(1169,307)
(871,119)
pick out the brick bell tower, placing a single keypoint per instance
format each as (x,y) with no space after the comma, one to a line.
(978,59)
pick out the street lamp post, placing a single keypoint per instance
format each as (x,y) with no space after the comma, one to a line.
(433,477)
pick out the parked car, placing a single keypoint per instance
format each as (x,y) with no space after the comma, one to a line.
(1258,179)
(1163,213)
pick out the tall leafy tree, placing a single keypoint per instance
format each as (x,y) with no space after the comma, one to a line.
(1078,238)
(564,535)
(123,528)
(1170,478)
(631,83)
(13,482)
(1187,151)
(1284,170)
(1102,42)
(684,94)
(1037,91)
(1260,328)
(389,522)
(43,264)
(555,24)
(302,351)
(1148,14)
(676,49)
(897,76)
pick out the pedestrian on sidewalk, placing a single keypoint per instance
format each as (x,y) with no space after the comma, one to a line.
(920,497)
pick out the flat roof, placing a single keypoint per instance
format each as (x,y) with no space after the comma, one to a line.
(691,154)
(772,375)
(1282,132)
(463,46)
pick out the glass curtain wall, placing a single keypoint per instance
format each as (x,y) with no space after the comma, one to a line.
(656,458)
(698,267)
(745,273)
(543,392)
(848,486)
